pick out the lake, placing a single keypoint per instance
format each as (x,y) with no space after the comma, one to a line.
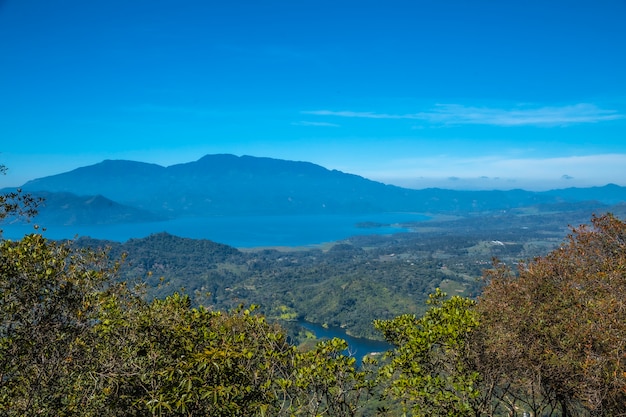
(238,231)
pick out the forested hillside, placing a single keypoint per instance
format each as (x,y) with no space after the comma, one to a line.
(76,340)
(347,284)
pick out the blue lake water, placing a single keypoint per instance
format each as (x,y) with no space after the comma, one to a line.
(237,231)
(357,346)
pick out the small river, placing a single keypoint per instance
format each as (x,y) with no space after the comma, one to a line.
(357,346)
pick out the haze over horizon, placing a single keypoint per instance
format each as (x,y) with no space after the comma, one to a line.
(420,94)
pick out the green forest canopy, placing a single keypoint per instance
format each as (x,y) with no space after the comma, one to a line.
(547,339)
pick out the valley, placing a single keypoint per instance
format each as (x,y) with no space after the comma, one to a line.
(353,281)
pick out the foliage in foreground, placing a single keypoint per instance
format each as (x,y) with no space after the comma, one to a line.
(549,340)
(49,298)
(557,329)
(429,370)
(74,342)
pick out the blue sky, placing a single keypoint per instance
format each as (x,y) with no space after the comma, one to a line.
(456,94)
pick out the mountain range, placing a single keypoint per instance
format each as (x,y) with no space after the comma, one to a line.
(120,191)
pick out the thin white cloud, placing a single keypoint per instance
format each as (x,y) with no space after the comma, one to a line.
(590,166)
(456,114)
(318,124)
(502,171)
(364,115)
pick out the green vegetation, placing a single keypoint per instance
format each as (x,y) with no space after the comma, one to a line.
(344,286)
(558,327)
(546,339)
(428,370)
(348,284)
(74,342)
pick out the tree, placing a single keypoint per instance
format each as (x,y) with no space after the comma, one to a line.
(165,358)
(429,369)
(48,302)
(326,382)
(16,203)
(559,324)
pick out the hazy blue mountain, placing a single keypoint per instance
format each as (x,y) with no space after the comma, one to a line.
(69,209)
(227,185)
(608,194)
(127,182)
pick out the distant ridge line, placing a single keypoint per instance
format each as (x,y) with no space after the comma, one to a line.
(225,184)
